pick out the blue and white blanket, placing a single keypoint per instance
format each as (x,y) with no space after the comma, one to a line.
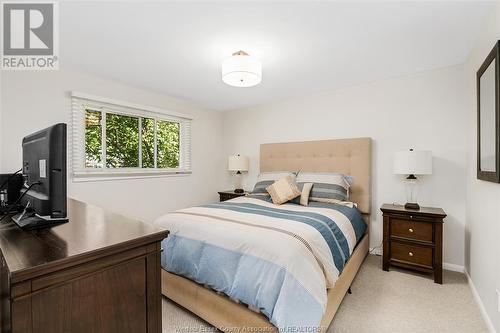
(278,259)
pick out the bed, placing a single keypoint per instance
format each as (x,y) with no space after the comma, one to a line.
(227,307)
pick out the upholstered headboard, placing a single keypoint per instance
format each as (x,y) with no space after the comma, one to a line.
(347,156)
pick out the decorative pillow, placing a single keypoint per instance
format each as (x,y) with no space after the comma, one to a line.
(305,191)
(266,179)
(283,190)
(304,195)
(328,187)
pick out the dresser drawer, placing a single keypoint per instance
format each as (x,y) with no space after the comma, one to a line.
(411,229)
(415,254)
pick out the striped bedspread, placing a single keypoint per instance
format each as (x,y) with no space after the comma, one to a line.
(277,259)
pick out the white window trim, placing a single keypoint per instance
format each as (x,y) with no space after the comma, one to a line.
(81,101)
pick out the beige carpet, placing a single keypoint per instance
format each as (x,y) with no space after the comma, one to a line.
(395,301)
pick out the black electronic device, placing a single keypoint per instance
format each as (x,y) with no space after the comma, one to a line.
(10,190)
(43,195)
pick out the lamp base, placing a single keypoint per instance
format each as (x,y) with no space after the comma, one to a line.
(412,206)
(239,190)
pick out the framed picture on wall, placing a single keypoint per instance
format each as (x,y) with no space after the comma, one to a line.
(488,117)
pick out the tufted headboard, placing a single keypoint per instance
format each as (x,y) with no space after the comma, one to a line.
(347,156)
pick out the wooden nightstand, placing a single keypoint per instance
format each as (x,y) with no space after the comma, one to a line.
(227,195)
(413,239)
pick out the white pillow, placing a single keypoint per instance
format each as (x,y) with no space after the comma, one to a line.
(274,175)
(322,177)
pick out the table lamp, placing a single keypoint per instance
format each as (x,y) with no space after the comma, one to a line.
(412,163)
(237,163)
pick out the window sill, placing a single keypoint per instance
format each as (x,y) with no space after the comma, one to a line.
(93,176)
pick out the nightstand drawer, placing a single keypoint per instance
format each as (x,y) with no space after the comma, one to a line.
(415,254)
(411,229)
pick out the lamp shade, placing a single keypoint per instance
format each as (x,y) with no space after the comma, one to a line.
(413,162)
(241,70)
(237,163)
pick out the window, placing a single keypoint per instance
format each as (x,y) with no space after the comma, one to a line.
(112,138)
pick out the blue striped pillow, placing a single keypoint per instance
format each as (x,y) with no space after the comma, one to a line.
(323,192)
(328,187)
(260,187)
(266,179)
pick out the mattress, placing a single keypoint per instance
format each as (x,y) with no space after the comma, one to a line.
(279,260)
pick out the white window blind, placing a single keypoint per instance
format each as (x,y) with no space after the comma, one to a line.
(114,139)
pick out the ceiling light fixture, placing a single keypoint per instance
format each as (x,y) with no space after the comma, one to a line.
(241,70)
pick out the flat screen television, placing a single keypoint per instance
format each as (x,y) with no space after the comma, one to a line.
(43,195)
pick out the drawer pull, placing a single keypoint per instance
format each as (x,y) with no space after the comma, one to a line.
(411,216)
(410,230)
(410,254)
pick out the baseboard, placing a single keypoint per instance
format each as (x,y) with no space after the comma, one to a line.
(376,251)
(479,302)
(453,267)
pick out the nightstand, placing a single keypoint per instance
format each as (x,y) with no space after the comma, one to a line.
(413,239)
(227,195)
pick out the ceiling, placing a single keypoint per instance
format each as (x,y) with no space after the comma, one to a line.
(176,48)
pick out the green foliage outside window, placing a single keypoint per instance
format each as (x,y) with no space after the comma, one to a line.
(93,139)
(148,143)
(123,140)
(168,144)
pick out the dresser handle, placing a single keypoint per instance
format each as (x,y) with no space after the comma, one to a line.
(410,230)
(411,216)
(410,254)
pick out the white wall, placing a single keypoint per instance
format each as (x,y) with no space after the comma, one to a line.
(483,198)
(33,100)
(1,147)
(424,111)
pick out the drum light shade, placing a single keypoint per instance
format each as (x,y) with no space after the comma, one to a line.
(413,162)
(237,163)
(241,70)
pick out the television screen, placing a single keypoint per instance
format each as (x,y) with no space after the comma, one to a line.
(44,172)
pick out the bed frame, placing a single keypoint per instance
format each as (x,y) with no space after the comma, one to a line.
(348,156)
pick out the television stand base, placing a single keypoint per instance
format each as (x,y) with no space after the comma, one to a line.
(33,221)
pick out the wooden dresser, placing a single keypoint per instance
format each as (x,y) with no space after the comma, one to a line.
(100,272)
(413,239)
